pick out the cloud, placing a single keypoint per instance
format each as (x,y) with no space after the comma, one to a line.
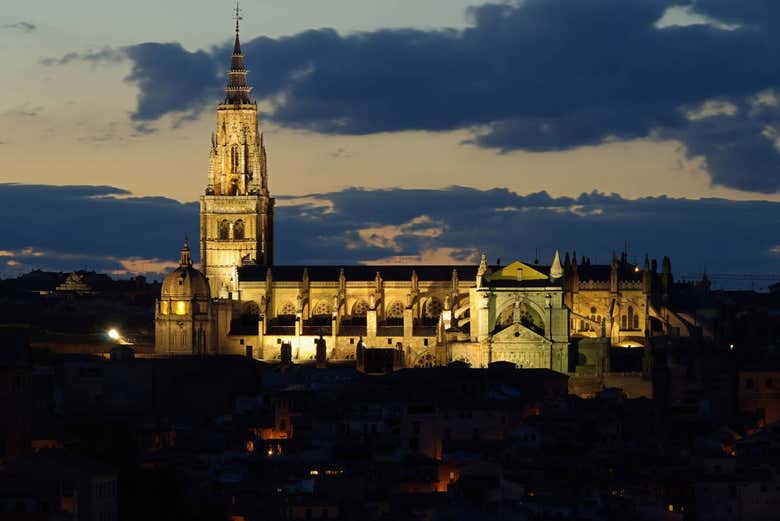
(107,228)
(25,27)
(72,227)
(186,91)
(435,256)
(105,55)
(537,75)
(23,111)
(340,153)
(392,236)
(30,258)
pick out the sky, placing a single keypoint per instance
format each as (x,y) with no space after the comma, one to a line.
(593,126)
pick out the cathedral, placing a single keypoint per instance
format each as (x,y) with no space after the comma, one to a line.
(241,302)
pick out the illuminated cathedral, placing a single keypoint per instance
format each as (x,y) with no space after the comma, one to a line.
(241,302)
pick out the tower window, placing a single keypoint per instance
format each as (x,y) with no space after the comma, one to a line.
(238,229)
(234,158)
(224,230)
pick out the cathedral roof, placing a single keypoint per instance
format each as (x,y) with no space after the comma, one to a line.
(601,272)
(394,272)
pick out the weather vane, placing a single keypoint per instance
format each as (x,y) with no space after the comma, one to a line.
(238,15)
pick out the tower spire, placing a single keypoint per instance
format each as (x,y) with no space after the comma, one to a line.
(237,90)
(186,259)
(238,16)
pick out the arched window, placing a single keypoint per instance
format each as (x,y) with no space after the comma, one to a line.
(252,308)
(287,309)
(426,361)
(238,229)
(321,309)
(224,230)
(630,316)
(623,322)
(360,309)
(434,308)
(234,158)
(396,310)
(636,321)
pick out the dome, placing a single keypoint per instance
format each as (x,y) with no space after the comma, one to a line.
(185,282)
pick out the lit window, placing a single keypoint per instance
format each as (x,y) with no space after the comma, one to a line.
(180,307)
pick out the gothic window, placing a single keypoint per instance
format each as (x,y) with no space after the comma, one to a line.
(234,158)
(631,317)
(321,309)
(396,310)
(434,308)
(287,309)
(636,321)
(360,309)
(426,360)
(238,229)
(252,308)
(224,230)
(623,322)
(593,309)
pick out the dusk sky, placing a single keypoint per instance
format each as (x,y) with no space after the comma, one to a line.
(651,123)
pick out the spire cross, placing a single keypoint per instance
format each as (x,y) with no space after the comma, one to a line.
(237,17)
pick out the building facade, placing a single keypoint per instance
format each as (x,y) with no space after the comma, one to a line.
(528,314)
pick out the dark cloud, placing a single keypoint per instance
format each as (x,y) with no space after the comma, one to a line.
(536,75)
(171,79)
(72,224)
(92,222)
(25,27)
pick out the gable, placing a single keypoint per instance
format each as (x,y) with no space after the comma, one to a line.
(517,271)
(519,333)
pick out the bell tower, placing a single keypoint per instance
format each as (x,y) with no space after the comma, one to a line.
(236,212)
